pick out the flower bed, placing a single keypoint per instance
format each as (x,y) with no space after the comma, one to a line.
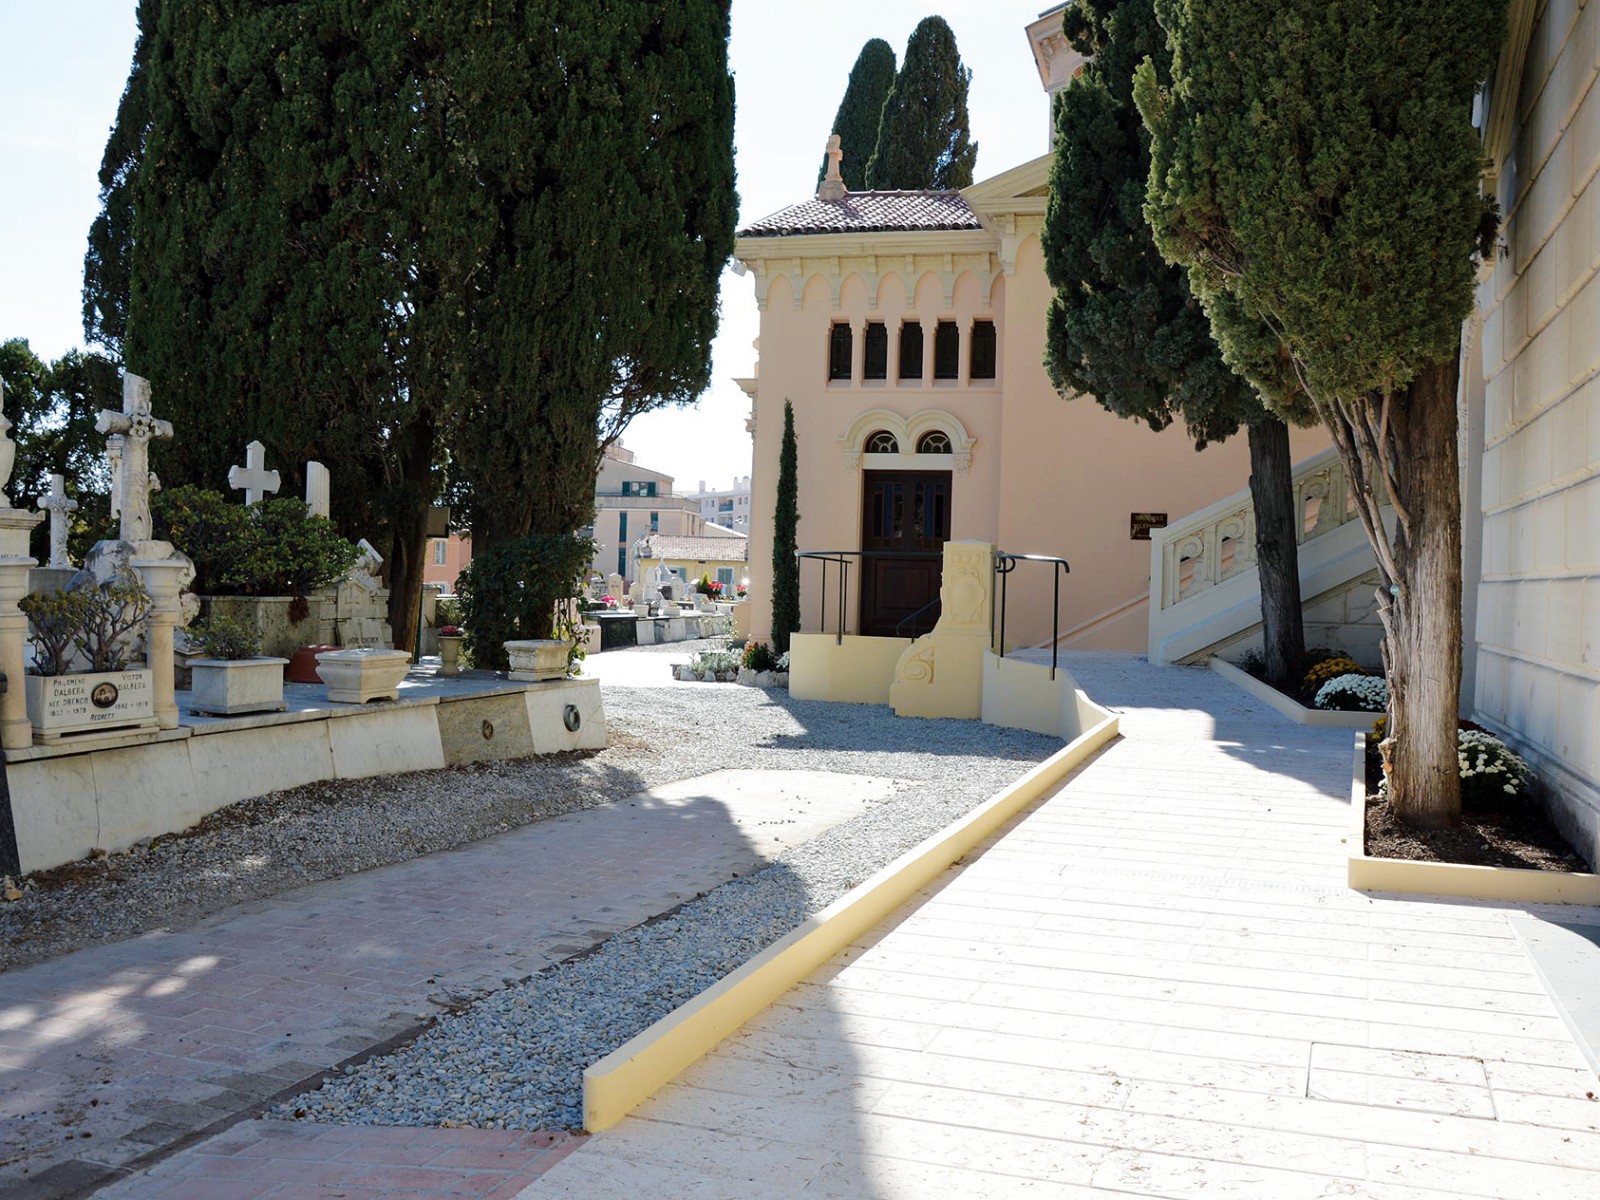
(750,667)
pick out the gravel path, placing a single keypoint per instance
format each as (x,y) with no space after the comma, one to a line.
(515,1059)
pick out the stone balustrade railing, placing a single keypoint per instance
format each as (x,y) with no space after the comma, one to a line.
(1219,542)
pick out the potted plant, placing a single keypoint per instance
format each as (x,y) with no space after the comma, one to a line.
(80,682)
(450,650)
(274,566)
(231,675)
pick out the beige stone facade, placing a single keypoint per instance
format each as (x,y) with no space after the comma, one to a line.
(1028,470)
(1532,401)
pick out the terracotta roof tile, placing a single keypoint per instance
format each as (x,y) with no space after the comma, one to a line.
(868,212)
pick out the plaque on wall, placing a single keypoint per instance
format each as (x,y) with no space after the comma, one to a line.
(1142,523)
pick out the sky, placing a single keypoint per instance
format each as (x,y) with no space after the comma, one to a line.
(63,64)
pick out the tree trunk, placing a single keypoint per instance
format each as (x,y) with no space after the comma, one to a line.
(1283,636)
(1423,621)
(410,532)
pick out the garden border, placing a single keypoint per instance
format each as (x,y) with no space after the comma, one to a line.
(622,1080)
(1314,717)
(1369,873)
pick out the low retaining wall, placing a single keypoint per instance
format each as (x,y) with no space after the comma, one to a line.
(66,802)
(1315,718)
(858,670)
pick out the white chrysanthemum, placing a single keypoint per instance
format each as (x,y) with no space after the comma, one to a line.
(1354,693)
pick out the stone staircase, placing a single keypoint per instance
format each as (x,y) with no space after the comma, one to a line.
(1205,588)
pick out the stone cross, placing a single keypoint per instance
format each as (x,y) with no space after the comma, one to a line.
(58,504)
(832,186)
(319,489)
(253,479)
(131,488)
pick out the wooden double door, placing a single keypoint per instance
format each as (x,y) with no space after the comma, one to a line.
(905,522)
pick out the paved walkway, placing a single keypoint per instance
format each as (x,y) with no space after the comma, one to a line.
(117,1051)
(1154,984)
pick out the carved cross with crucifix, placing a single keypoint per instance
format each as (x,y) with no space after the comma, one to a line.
(59,505)
(137,427)
(253,479)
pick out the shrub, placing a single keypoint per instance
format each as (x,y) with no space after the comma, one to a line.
(92,621)
(274,548)
(55,621)
(225,638)
(1491,771)
(1354,693)
(510,592)
(447,611)
(1329,668)
(703,585)
(783,662)
(758,656)
(717,661)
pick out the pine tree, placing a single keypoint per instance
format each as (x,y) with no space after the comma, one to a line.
(923,139)
(53,407)
(1315,167)
(861,112)
(785,522)
(1123,327)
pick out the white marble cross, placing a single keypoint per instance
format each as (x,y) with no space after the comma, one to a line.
(253,479)
(131,487)
(59,505)
(319,489)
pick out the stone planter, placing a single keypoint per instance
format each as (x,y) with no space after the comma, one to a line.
(538,660)
(63,707)
(449,654)
(360,676)
(224,687)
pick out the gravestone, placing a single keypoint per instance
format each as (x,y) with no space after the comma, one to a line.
(136,427)
(16,730)
(60,506)
(319,490)
(253,479)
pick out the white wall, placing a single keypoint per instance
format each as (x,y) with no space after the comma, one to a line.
(1538,620)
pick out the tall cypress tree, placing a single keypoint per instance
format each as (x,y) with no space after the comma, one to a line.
(275,283)
(106,263)
(861,112)
(612,177)
(923,137)
(785,534)
(1314,165)
(1123,326)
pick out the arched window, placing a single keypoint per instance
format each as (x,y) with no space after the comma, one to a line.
(935,441)
(881,442)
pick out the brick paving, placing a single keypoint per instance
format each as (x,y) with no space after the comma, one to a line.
(113,1053)
(1153,984)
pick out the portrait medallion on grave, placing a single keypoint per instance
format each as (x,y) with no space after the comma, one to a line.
(104,695)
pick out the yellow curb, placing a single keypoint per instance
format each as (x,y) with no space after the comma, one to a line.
(1315,718)
(632,1073)
(1366,873)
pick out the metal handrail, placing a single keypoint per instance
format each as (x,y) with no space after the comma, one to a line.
(900,625)
(843,557)
(1004,564)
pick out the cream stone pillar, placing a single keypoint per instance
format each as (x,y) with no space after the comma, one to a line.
(163,578)
(16,731)
(941,673)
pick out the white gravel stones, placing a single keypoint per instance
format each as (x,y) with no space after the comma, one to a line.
(515,1058)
